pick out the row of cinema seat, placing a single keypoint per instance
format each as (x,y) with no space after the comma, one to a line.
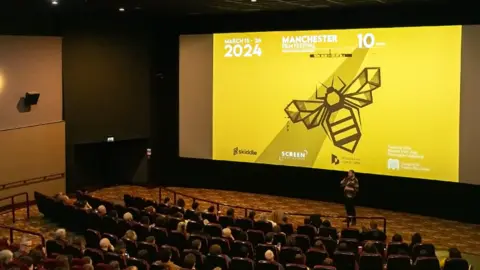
(210,234)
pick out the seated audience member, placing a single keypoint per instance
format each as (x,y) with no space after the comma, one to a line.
(244,252)
(145,221)
(166,201)
(115,265)
(181,204)
(160,221)
(217,268)
(65,199)
(370,248)
(113,214)
(80,243)
(328,262)
(277,229)
(416,239)
(85,267)
(150,210)
(143,255)
(285,219)
(61,235)
(150,239)
(326,223)
(26,262)
(217,250)
(227,234)
(132,268)
(316,221)
(230,212)
(342,247)
(105,245)
(318,245)
(189,261)
(101,210)
(263,217)
(128,217)
(121,248)
(64,260)
(269,238)
(242,236)
(130,235)
(211,209)
(182,227)
(300,259)
(24,249)
(251,215)
(270,257)
(397,238)
(453,253)
(374,233)
(6,256)
(82,204)
(37,257)
(165,256)
(88,260)
(197,245)
(307,221)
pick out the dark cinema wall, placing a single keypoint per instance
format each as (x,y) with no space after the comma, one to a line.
(89,122)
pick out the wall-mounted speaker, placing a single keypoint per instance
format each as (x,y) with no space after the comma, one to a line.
(31,98)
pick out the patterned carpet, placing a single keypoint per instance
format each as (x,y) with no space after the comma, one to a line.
(444,234)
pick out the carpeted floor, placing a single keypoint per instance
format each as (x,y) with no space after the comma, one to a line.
(442,233)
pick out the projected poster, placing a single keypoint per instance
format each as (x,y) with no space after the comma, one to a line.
(381,101)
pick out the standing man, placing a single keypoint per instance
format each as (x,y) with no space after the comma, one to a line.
(350,189)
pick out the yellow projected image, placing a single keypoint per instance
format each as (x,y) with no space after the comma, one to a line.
(381,101)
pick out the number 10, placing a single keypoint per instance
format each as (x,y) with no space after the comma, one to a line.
(366,41)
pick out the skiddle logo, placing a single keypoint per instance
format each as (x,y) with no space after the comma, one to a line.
(238,151)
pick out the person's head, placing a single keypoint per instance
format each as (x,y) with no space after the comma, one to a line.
(102,210)
(227,233)
(143,255)
(189,261)
(416,238)
(211,209)
(285,219)
(351,173)
(328,261)
(316,220)
(454,253)
(306,220)
(181,203)
(165,255)
(115,265)
(242,236)
(269,256)
(277,229)
(105,244)
(88,267)
(251,215)
(120,247)
(160,221)
(244,253)
(133,267)
(79,242)
(166,200)
(27,261)
(373,225)
(181,227)
(36,255)
(60,234)
(299,259)
(343,247)
(269,237)
(131,235)
(397,238)
(230,212)
(319,245)
(195,206)
(88,260)
(196,244)
(150,209)
(63,260)
(128,216)
(25,245)
(145,221)
(150,239)
(326,223)
(215,250)
(370,247)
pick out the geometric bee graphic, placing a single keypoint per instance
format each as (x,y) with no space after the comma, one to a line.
(337,108)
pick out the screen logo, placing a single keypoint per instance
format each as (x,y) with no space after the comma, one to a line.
(335,160)
(393,164)
(289,155)
(237,151)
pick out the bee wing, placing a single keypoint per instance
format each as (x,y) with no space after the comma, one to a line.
(307,111)
(359,92)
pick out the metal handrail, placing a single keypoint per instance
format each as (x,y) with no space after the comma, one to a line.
(12,198)
(12,229)
(32,181)
(247,209)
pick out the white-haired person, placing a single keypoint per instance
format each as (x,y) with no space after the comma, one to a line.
(6,257)
(105,245)
(101,210)
(270,257)
(61,236)
(24,249)
(227,234)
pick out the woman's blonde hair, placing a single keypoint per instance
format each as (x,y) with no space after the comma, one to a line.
(131,235)
(181,226)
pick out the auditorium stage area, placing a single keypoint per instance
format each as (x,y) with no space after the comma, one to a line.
(442,233)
